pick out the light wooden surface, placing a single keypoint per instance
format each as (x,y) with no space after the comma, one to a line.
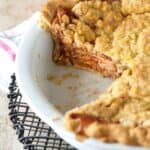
(12,12)
(8,138)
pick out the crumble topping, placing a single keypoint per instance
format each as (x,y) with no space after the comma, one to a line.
(128,41)
(135,6)
(106,36)
(94,21)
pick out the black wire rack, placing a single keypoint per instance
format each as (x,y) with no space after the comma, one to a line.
(32,132)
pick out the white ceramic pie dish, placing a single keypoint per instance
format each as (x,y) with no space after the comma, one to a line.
(33,64)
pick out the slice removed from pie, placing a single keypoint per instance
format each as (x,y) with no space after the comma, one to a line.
(83,32)
(122,114)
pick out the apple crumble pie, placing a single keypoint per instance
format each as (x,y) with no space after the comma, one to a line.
(111,37)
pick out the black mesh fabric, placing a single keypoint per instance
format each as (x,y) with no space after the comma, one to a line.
(32,132)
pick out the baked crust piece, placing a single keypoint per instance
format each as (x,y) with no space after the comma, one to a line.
(83,34)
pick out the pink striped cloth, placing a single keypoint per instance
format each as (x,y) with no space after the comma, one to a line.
(9,41)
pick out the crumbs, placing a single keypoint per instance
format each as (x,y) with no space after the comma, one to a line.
(58,107)
(80,137)
(55,118)
(59,79)
(94,92)
(39,56)
(37,79)
(69,75)
(72,88)
(55,79)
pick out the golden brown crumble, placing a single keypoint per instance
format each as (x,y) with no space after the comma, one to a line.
(111,37)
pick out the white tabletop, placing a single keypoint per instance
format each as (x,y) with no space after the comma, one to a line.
(12,12)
